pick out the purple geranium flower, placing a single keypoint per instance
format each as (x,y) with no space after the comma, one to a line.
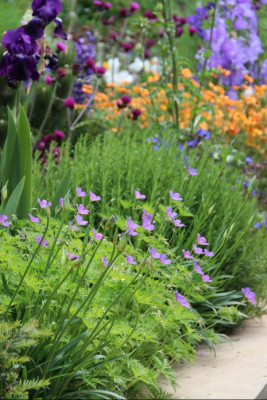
(105,261)
(34,219)
(38,239)
(44,203)
(98,236)
(187,254)
(208,253)
(175,196)
(177,222)
(197,268)
(80,221)
(147,221)
(61,202)
(81,209)
(94,197)
(130,259)
(73,227)
(163,259)
(170,213)
(3,220)
(192,171)
(72,256)
(138,195)
(206,278)
(181,299)
(202,240)
(249,295)
(80,193)
(153,253)
(131,226)
(197,250)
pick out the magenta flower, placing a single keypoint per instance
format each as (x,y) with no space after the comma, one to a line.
(3,220)
(127,46)
(197,250)
(163,259)
(81,209)
(80,221)
(130,259)
(59,134)
(80,193)
(147,221)
(153,253)
(192,171)
(134,6)
(202,240)
(208,253)
(249,295)
(98,236)
(71,256)
(131,226)
(177,222)
(34,219)
(69,102)
(181,299)
(94,197)
(48,80)
(61,47)
(170,213)
(105,261)
(175,196)
(100,71)
(136,112)
(44,203)
(38,239)
(187,254)
(138,195)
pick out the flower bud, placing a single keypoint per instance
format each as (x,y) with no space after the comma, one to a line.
(122,243)
(4,191)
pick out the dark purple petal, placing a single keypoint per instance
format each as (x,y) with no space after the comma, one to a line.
(59,29)
(16,41)
(47,10)
(35,28)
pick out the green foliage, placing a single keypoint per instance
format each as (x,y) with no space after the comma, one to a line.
(16,167)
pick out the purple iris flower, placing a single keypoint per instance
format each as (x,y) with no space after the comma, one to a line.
(249,295)
(181,299)
(46,10)
(19,67)
(16,41)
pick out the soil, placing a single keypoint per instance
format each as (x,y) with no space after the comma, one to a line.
(239,370)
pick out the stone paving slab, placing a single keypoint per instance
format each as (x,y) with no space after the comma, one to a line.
(239,370)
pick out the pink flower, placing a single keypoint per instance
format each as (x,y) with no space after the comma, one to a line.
(98,236)
(177,222)
(249,295)
(147,221)
(130,259)
(44,203)
(202,240)
(44,243)
(181,299)
(34,219)
(206,278)
(69,102)
(61,201)
(80,193)
(61,47)
(71,256)
(59,134)
(81,209)
(175,196)
(187,254)
(3,220)
(170,213)
(138,195)
(80,221)
(73,227)
(197,250)
(48,80)
(105,261)
(197,268)
(192,171)
(208,253)
(94,197)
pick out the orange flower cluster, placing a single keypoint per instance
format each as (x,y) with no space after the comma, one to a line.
(246,116)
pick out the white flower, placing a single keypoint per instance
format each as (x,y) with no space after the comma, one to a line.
(118,77)
(137,65)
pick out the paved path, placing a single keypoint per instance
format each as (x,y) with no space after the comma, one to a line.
(239,370)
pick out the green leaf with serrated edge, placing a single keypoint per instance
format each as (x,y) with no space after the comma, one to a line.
(7,291)
(25,163)
(126,204)
(185,213)
(13,201)
(62,191)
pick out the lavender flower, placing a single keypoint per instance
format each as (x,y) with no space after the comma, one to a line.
(94,197)
(177,222)
(80,193)
(202,240)
(44,203)
(3,220)
(208,253)
(163,259)
(43,243)
(80,221)
(175,196)
(131,226)
(153,253)
(170,213)
(130,259)
(34,219)
(105,261)
(98,236)
(197,250)
(187,254)
(72,256)
(192,171)
(138,195)
(81,209)
(147,221)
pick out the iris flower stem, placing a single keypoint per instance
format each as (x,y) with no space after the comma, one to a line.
(37,138)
